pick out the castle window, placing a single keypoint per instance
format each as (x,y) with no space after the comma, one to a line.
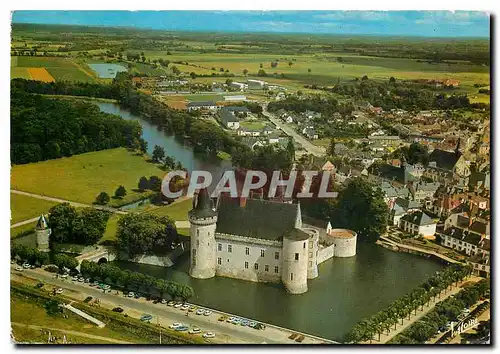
(266,268)
(219,261)
(194,252)
(194,262)
(219,246)
(262,252)
(198,243)
(247,251)
(197,232)
(230,248)
(304,245)
(256,266)
(246,265)
(276,269)
(276,255)
(296,256)
(291,276)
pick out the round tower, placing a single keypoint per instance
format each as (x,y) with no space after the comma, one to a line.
(203,220)
(345,242)
(42,231)
(295,260)
(312,267)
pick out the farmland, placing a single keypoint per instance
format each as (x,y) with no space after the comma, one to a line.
(81,178)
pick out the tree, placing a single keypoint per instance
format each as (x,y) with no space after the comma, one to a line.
(175,70)
(261,73)
(193,75)
(418,153)
(120,192)
(155,183)
(61,222)
(261,66)
(158,154)
(290,147)
(102,198)
(89,226)
(290,64)
(361,208)
(245,72)
(53,307)
(143,184)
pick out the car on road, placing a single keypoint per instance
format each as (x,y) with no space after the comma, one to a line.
(200,312)
(207,313)
(175,325)
(195,330)
(18,268)
(170,303)
(182,328)
(209,335)
(130,294)
(146,317)
(39,285)
(118,309)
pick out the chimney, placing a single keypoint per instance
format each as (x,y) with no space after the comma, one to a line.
(243,202)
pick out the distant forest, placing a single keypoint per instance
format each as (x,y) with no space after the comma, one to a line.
(44,128)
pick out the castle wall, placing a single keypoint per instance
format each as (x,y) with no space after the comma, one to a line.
(325,253)
(203,254)
(294,274)
(248,259)
(42,239)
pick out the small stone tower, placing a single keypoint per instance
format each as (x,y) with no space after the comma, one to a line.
(203,220)
(43,232)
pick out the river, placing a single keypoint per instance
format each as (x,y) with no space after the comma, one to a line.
(346,291)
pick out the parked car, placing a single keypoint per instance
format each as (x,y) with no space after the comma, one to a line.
(87,299)
(18,268)
(81,279)
(87,280)
(75,278)
(245,322)
(130,294)
(193,308)
(209,335)
(39,285)
(222,318)
(170,303)
(200,312)
(178,305)
(146,317)
(137,296)
(185,307)
(26,266)
(207,313)
(59,290)
(163,301)
(175,325)
(195,330)
(252,324)
(118,309)
(64,276)
(182,328)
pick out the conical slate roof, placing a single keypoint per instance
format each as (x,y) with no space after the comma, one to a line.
(42,223)
(203,207)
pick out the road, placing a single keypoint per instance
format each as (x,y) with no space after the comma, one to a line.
(306,144)
(74,333)
(183,224)
(226,332)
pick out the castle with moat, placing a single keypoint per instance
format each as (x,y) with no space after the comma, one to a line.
(260,240)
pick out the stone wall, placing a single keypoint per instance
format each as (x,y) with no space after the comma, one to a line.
(163,261)
(325,253)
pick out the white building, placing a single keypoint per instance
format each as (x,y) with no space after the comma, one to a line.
(418,223)
(259,240)
(195,106)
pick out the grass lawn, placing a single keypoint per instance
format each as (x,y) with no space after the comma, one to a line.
(110,233)
(29,312)
(81,178)
(177,211)
(21,229)
(252,125)
(23,207)
(184,232)
(322,142)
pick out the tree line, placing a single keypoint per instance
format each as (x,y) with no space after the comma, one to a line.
(445,311)
(324,105)
(407,305)
(135,281)
(204,136)
(45,128)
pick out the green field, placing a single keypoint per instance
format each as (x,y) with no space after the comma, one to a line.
(61,69)
(24,207)
(82,177)
(177,211)
(252,125)
(110,233)
(22,229)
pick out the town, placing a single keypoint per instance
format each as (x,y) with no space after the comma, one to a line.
(345,195)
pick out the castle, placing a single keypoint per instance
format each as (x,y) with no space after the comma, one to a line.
(260,240)
(42,231)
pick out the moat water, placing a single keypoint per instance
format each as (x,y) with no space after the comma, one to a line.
(346,291)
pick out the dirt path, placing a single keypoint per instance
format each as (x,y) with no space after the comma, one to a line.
(75,333)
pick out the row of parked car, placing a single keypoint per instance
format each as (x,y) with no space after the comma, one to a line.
(242,322)
(195,330)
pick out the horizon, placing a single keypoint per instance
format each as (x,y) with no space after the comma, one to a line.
(423,24)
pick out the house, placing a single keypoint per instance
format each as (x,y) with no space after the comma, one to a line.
(252,142)
(401,175)
(256,84)
(445,160)
(195,106)
(231,116)
(401,207)
(235,98)
(451,82)
(239,85)
(280,96)
(310,133)
(423,190)
(418,223)
(386,140)
(343,173)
